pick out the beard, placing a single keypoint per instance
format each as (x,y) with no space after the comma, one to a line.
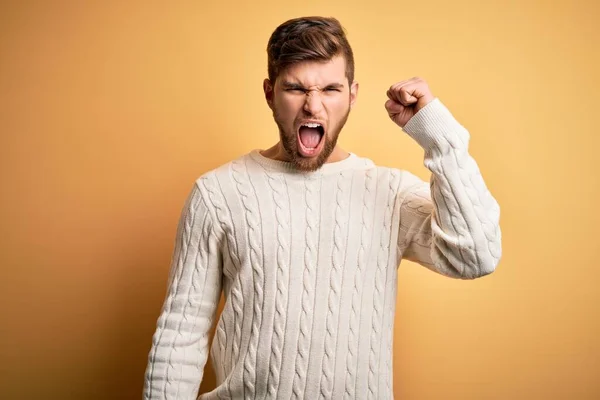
(289,141)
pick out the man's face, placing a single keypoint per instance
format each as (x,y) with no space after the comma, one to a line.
(311,101)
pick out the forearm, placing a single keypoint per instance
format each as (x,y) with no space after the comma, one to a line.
(464,225)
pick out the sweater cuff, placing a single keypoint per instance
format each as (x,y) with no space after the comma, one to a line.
(434,128)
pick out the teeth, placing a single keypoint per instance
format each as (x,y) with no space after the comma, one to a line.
(311,125)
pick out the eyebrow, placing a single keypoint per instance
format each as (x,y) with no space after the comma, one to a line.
(292,85)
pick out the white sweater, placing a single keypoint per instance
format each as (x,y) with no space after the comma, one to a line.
(308,265)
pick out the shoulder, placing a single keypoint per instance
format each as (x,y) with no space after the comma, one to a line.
(398,179)
(222,175)
(213,188)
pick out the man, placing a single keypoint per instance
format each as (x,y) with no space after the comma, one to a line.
(305,239)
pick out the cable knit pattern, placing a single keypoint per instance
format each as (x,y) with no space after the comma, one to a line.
(365,237)
(308,284)
(223,215)
(251,212)
(307,263)
(378,296)
(335,283)
(388,345)
(282,217)
(186,316)
(389,304)
(192,296)
(221,338)
(465,231)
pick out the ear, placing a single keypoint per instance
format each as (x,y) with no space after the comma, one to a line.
(353,93)
(269,91)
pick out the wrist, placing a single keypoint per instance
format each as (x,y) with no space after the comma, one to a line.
(434,127)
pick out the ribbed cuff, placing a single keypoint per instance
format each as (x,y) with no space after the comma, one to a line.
(435,128)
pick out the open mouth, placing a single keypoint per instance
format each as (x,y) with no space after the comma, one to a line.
(310,138)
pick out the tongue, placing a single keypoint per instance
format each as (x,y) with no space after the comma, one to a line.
(310,137)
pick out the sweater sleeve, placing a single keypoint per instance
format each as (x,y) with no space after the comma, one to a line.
(180,343)
(451,224)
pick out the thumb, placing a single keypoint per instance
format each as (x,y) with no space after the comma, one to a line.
(407,97)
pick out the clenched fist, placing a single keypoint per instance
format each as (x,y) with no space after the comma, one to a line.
(406,98)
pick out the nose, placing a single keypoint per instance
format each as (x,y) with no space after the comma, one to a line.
(313,103)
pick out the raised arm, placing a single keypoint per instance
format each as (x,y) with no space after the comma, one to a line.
(180,344)
(450,224)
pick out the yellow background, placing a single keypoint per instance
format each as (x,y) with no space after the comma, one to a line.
(110,111)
